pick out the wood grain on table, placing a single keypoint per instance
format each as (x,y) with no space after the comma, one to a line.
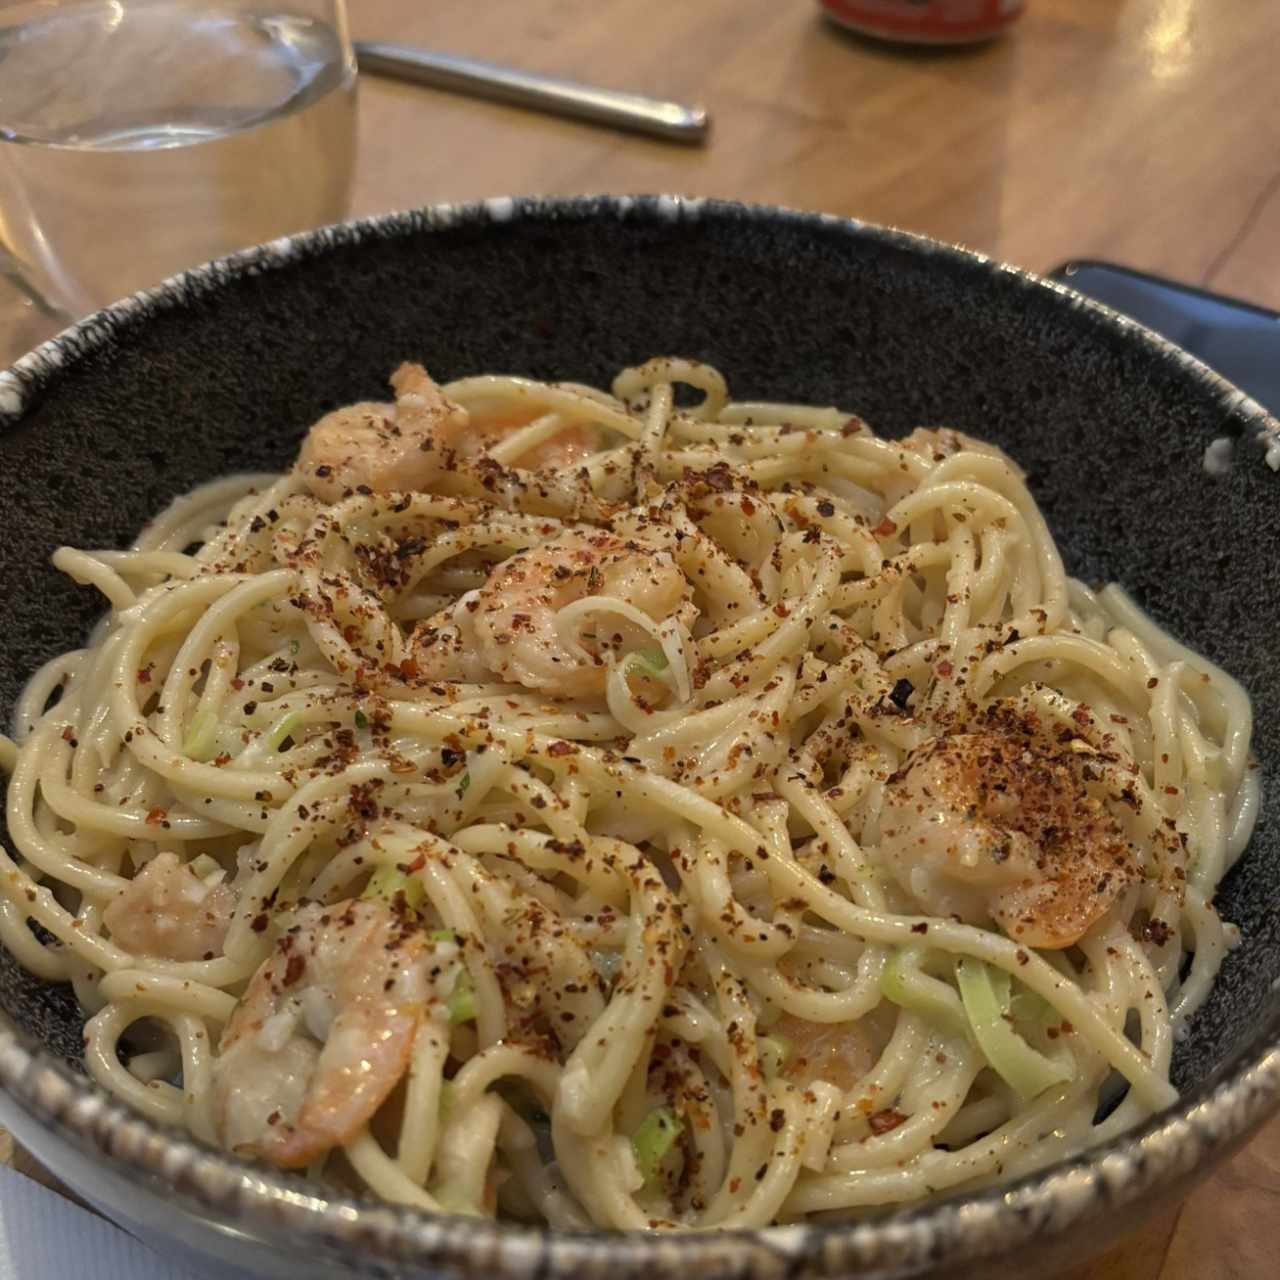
(1143,131)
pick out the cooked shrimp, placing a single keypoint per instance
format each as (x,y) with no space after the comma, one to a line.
(413,443)
(168,911)
(994,826)
(840,1053)
(325,1030)
(569,447)
(384,447)
(513,619)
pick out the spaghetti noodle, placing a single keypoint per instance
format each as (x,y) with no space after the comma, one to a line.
(589,809)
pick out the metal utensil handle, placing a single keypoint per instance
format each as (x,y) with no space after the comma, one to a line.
(523,88)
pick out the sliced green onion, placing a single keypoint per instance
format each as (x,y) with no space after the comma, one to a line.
(986,995)
(655,1137)
(388,883)
(202,738)
(774,1052)
(295,647)
(283,728)
(462,1003)
(905,983)
(464,782)
(442,935)
(1033,1010)
(362,720)
(652,658)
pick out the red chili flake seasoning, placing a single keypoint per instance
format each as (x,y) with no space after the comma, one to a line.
(885,529)
(144,675)
(718,477)
(944,668)
(1080,715)
(156,817)
(561,748)
(922,927)
(294,969)
(884,1121)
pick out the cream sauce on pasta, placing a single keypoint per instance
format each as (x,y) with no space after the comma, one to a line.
(564,805)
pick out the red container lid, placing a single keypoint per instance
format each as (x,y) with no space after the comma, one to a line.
(926,21)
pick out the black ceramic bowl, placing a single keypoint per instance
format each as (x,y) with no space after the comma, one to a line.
(222,369)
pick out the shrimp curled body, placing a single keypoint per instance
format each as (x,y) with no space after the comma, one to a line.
(414,444)
(513,624)
(325,1031)
(168,911)
(992,826)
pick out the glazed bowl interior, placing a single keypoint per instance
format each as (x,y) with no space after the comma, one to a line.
(224,370)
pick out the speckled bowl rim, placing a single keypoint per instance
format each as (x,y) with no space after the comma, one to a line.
(1206,1123)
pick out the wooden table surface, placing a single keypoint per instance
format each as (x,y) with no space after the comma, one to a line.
(1142,131)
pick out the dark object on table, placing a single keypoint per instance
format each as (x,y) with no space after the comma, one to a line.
(1239,340)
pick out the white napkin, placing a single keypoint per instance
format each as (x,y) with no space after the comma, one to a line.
(45,1237)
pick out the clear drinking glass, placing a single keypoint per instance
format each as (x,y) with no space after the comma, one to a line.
(139,137)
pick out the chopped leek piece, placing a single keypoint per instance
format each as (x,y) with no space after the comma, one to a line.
(389,882)
(651,658)
(462,1003)
(985,992)
(905,983)
(774,1052)
(442,935)
(202,738)
(1033,1010)
(655,1137)
(283,728)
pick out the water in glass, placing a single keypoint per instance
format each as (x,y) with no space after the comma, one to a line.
(138,137)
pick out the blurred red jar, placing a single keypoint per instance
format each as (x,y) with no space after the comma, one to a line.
(926,21)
